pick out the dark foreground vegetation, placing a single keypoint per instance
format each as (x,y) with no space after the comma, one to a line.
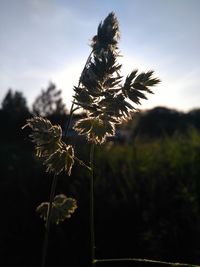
(147,190)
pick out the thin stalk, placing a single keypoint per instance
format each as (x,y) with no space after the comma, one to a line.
(92,205)
(72,109)
(55,179)
(69,120)
(172,264)
(52,194)
(48,222)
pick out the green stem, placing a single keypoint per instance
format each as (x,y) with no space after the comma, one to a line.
(147,261)
(92,205)
(48,222)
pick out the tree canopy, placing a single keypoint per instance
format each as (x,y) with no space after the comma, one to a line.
(49,102)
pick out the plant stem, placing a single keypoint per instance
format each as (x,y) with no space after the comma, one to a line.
(92,205)
(55,179)
(72,109)
(69,120)
(52,194)
(48,222)
(178,264)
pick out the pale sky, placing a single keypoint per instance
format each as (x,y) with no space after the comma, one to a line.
(48,40)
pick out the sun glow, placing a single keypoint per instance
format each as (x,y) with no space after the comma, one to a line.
(66,79)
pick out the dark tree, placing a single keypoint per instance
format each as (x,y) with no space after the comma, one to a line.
(14,104)
(193,117)
(159,122)
(49,102)
(13,114)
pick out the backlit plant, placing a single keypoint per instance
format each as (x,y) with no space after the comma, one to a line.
(107,99)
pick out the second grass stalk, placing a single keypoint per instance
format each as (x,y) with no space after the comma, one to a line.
(92,230)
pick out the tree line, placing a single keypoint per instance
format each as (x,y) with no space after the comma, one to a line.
(153,123)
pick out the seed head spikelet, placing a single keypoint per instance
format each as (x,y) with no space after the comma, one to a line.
(48,142)
(102,93)
(62,208)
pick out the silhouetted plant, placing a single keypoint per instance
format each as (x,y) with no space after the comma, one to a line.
(107,100)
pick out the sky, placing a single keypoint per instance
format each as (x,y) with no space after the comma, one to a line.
(44,41)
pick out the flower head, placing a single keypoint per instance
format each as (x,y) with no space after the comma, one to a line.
(102,93)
